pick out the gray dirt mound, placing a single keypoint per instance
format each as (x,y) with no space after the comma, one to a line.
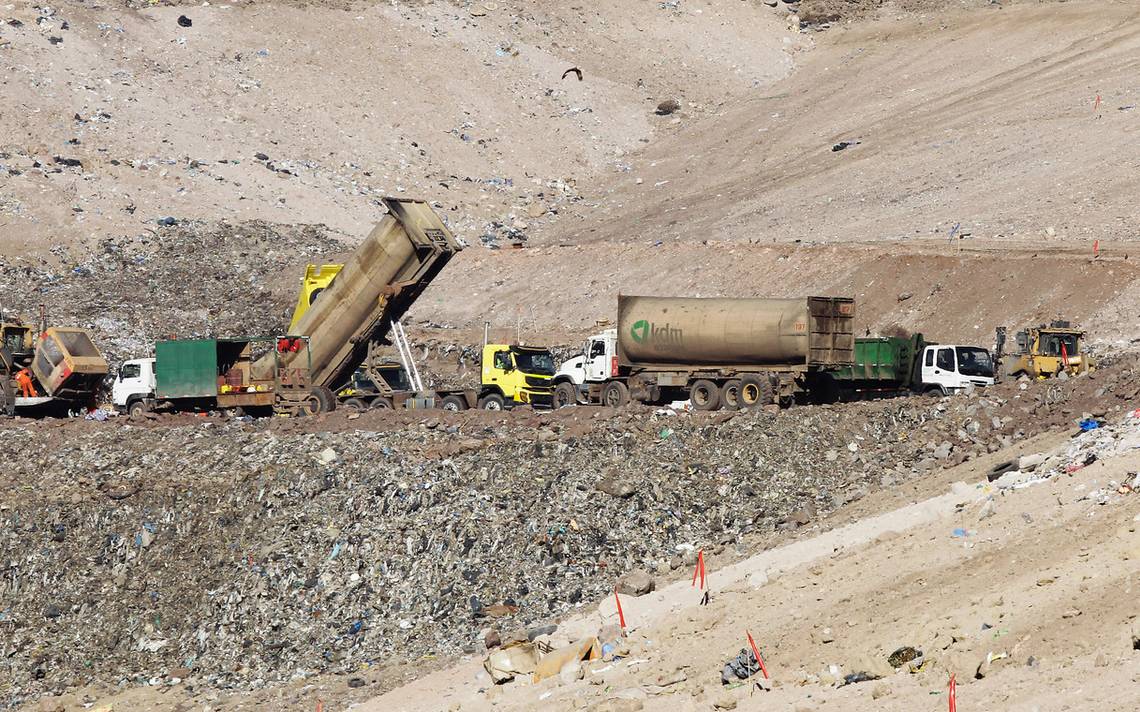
(188,279)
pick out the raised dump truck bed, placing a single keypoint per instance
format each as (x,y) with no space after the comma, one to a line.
(387,273)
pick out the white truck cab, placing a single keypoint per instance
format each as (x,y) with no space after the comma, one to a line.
(134,386)
(597,364)
(951,368)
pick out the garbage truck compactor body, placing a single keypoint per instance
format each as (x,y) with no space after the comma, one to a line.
(730,352)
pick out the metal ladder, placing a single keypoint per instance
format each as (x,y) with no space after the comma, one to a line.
(405,349)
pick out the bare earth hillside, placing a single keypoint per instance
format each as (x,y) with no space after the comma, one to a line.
(954,165)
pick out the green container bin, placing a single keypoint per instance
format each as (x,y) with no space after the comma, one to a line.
(186,368)
(881,359)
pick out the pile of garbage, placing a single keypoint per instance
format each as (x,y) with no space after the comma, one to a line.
(234,554)
(1098,439)
(189,279)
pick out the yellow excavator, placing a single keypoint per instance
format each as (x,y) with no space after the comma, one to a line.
(316,280)
(1045,351)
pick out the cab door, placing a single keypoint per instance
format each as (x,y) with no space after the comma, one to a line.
(939,367)
(597,362)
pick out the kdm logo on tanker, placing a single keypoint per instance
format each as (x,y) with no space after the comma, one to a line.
(644,331)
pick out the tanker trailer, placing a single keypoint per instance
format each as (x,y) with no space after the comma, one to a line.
(735,353)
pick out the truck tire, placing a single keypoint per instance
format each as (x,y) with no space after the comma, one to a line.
(137,409)
(324,398)
(615,394)
(310,406)
(565,394)
(381,404)
(730,394)
(493,401)
(356,405)
(756,391)
(454,403)
(704,395)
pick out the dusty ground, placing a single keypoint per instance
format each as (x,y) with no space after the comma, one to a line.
(989,147)
(168,121)
(982,149)
(1037,583)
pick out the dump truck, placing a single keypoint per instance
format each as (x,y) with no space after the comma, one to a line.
(201,375)
(1044,351)
(351,308)
(510,376)
(351,311)
(63,366)
(342,313)
(895,365)
(715,352)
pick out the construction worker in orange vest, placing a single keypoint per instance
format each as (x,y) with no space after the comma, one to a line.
(24,378)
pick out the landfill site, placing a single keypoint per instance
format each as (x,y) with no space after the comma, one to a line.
(650,355)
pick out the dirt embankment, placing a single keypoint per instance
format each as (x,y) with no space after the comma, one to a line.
(230,555)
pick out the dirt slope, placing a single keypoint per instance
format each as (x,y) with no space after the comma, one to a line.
(1034,587)
(983,175)
(463,105)
(983,119)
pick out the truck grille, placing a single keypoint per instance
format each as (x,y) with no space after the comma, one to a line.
(538,381)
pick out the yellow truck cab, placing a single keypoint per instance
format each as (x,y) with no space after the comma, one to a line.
(516,375)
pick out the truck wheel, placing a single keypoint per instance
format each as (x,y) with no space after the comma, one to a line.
(565,393)
(705,395)
(137,409)
(324,398)
(381,404)
(615,394)
(730,394)
(755,391)
(454,403)
(310,406)
(356,405)
(493,401)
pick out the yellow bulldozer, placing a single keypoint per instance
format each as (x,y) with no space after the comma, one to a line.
(1045,351)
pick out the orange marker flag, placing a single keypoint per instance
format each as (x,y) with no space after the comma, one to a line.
(756,651)
(699,570)
(953,694)
(621,616)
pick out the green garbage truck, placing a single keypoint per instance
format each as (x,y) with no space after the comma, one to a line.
(896,365)
(259,375)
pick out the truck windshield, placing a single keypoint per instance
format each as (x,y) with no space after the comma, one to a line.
(396,378)
(973,361)
(540,362)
